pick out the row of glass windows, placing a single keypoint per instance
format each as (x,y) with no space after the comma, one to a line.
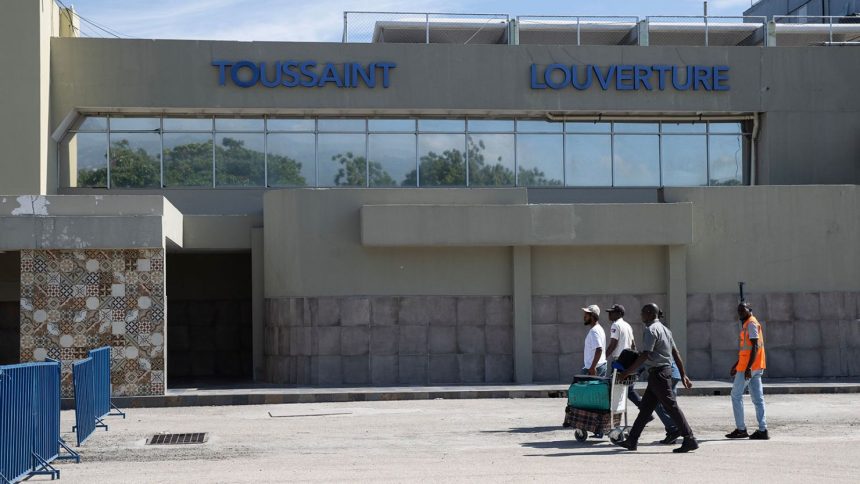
(123,152)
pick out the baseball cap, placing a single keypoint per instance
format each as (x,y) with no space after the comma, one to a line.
(618,308)
(593,309)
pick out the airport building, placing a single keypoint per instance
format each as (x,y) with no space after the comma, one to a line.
(431,200)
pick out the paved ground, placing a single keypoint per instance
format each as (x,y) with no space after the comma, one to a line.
(816,438)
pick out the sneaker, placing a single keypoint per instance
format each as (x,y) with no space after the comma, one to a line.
(760,435)
(626,444)
(738,434)
(688,445)
(671,437)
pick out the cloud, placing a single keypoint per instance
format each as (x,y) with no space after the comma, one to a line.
(262,20)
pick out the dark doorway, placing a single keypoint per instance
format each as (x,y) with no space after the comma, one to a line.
(10,309)
(208,319)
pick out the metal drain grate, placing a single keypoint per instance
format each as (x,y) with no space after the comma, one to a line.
(176,439)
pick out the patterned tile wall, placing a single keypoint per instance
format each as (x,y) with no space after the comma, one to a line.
(76,300)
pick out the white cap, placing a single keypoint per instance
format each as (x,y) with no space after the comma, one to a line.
(593,309)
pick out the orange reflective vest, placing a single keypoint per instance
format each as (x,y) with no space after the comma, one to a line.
(746,347)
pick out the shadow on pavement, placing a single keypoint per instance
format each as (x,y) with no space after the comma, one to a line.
(525,430)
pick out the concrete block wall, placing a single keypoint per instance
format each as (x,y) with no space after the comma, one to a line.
(558,333)
(408,340)
(807,334)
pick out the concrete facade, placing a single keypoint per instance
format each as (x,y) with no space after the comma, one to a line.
(362,286)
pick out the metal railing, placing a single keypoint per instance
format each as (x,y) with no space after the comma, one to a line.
(102,390)
(577,30)
(86,419)
(30,421)
(425,28)
(692,30)
(816,29)
(706,30)
(91,377)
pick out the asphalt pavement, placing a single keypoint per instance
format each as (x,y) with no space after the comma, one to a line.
(815,438)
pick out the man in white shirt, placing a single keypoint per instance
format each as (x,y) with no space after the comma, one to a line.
(620,333)
(594,354)
(620,339)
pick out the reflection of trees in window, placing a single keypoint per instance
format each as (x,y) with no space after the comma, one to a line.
(92,177)
(236,165)
(733,182)
(535,177)
(133,167)
(188,164)
(285,171)
(448,168)
(353,171)
(482,174)
(445,169)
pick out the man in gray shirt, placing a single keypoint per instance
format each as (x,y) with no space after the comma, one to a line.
(658,349)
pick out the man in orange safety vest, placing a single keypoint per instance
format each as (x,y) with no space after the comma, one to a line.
(747,372)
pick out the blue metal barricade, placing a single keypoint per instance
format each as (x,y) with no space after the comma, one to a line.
(16,436)
(102,391)
(86,420)
(30,421)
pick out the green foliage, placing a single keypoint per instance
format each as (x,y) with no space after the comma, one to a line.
(353,172)
(190,164)
(133,168)
(92,178)
(446,169)
(732,182)
(449,169)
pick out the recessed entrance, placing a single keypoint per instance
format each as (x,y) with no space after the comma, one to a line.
(208,319)
(10,310)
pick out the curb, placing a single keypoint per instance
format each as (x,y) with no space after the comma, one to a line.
(375,395)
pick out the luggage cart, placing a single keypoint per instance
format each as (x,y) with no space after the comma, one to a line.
(611,421)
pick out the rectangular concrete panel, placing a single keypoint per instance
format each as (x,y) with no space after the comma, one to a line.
(511,225)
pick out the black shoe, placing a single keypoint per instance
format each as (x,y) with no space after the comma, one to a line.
(565,424)
(737,434)
(760,435)
(688,445)
(626,444)
(671,437)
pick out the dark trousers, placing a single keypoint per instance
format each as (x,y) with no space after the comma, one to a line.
(668,423)
(660,392)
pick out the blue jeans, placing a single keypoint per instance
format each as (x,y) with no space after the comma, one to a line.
(756,395)
(664,417)
(600,370)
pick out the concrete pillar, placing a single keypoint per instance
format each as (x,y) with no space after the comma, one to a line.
(257,303)
(25,86)
(676,294)
(522,297)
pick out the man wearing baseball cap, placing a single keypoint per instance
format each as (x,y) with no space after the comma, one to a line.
(594,356)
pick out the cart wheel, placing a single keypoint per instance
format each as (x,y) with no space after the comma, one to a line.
(580,435)
(617,435)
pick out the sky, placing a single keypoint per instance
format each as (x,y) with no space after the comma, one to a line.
(322,20)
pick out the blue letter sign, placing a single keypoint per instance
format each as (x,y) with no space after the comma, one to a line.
(630,77)
(245,73)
